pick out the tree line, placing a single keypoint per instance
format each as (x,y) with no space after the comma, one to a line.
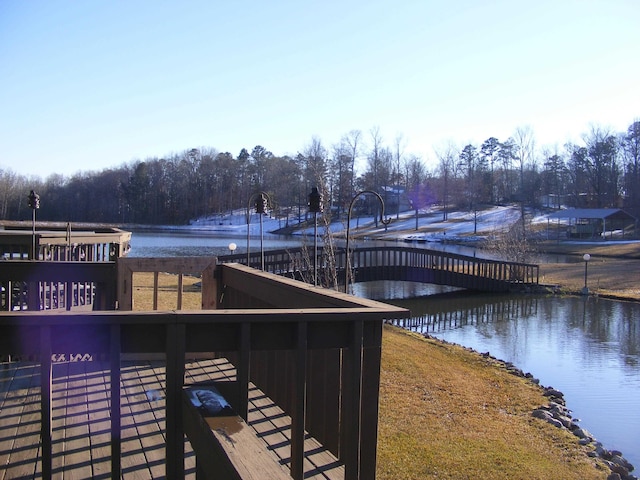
(601,171)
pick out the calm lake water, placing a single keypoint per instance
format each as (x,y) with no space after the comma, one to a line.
(186,243)
(587,348)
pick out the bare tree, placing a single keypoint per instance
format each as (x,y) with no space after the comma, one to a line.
(599,158)
(375,159)
(352,140)
(446,168)
(7,191)
(554,177)
(506,183)
(316,162)
(524,152)
(631,149)
(341,176)
(396,178)
(415,172)
(524,144)
(489,151)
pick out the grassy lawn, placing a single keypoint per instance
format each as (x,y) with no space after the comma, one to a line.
(613,270)
(448,413)
(167,292)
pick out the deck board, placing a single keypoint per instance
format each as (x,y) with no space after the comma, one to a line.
(98,419)
(59,377)
(20,414)
(133,460)
(81,425)
(77,465)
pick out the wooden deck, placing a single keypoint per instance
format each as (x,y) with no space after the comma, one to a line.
(81,425)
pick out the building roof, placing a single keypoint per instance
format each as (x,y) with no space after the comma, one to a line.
(601,213)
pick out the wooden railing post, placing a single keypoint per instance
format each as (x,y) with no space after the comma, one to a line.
(125,288)
(176,336)
(243,370)
(116,437)
(371,360)
(45,401)
(352,395)
(299,403)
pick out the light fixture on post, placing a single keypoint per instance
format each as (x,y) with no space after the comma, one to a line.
(385,222)
(262,202)
(34,204)
(232,247)
(315,207)
(586,257)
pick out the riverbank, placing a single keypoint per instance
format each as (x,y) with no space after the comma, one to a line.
(612,271)
(450,413)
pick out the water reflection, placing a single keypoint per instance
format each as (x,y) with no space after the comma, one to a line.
(589,348)
(386,290)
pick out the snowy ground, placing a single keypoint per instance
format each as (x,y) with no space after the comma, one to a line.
(431,228)
(430,224)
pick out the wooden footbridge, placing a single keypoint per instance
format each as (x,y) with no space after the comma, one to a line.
(402,264)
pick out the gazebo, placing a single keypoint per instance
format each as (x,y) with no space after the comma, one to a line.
(591,223)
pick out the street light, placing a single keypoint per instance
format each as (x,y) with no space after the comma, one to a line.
(315,206)
(34,204)
(262,202)
(586,257)
(232,247)
(386,222)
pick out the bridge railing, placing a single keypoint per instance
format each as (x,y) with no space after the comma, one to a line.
(397,256)
(291,261)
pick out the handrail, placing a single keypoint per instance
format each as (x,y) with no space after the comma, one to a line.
(502,271)
(328,342)
(45,285)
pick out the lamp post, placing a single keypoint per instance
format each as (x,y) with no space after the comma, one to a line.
(586,257)
(315,206)
(262,201)
(34,204)
(347,268)
(232,247)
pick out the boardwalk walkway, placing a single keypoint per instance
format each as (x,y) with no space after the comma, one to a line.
(81,426)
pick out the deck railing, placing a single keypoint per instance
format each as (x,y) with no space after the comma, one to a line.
(37,285)
(315,352)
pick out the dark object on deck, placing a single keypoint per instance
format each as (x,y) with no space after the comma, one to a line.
(226,447)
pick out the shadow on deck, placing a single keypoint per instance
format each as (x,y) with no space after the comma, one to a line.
(81,421)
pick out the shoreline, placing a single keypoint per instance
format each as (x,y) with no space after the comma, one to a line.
(557,413)
(447,411)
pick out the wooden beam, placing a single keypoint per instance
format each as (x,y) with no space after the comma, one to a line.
(299,403)
(175,380)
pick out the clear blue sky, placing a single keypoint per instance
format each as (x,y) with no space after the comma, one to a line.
(87,85)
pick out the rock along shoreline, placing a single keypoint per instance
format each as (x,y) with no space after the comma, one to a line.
(557,414)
